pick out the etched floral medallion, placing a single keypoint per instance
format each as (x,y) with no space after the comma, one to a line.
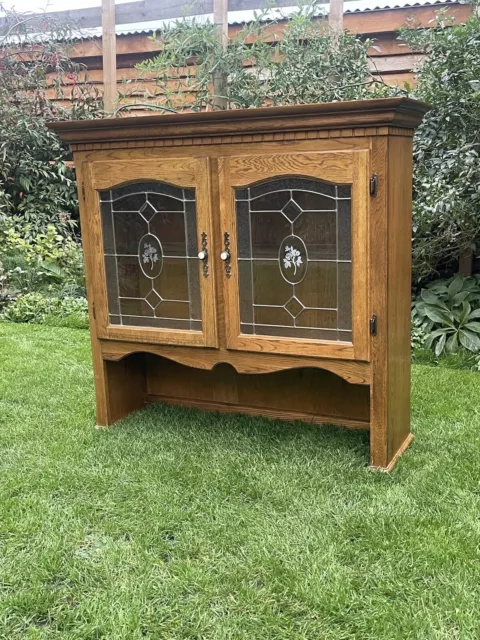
(150,255)
(293,259)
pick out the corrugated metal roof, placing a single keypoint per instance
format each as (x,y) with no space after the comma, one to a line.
(369,5)
(241,17)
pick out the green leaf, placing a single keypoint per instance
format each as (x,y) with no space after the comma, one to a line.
(440,345)
(430,298)
(474,314)
(434,335)
(466,310)
(456,314)
(469,340)
(452,343)
(460,297)
(438,287)
(438,316)
(419,308)
(472,326)
(455,286)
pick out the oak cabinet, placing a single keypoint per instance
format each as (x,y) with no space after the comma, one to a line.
(253,261)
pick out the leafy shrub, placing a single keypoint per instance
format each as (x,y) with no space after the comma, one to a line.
(446,212)
(51,264)
(448,314)
(41,189)
(37,185)
(39,249)
(266,63)
(39,309)
(7,292)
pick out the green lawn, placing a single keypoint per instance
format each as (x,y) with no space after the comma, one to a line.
(182,525)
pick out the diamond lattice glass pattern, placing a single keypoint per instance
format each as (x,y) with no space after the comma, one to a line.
(294,259)
(150,247)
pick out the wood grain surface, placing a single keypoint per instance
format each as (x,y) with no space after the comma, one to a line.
(361,384)
(399,112)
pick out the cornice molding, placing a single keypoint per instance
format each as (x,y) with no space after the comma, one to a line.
(401,113)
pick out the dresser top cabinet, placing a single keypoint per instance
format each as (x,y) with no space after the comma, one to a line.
(269,241)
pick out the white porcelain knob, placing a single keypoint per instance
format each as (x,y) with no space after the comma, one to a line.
(202,255)
(225,255)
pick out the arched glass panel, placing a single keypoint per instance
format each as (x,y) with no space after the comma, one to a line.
(150,247)
(294,259)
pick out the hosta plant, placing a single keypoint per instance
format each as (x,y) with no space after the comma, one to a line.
(448,311)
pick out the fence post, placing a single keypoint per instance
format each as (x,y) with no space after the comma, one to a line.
(109,45)
(220,18)
(335,18)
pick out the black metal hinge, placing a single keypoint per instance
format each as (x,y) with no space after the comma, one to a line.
(374,185)
(83,190)
(373,325)
(93,311)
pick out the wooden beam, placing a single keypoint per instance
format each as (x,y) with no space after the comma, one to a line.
(389,21)
(335,16)
(146,10)
(109,56)
(220,18)
(396,64)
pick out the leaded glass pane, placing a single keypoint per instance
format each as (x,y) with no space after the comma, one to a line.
(319,233)
(243,225)
(170,227)
(133,202)
(272,316)
(129,228)
(294,259)
(275,200)
(150,247)
(246,299)
(161,202)
(267,231)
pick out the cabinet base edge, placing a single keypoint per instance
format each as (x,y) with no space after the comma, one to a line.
(403,447)
(273,414)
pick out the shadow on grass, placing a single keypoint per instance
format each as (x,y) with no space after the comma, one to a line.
(239,433)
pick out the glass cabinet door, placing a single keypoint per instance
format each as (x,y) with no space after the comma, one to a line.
(297,254)
(155,249)
(150,250)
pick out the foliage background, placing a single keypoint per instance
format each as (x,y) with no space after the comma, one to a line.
(40,248)
(301,61)
(447,144)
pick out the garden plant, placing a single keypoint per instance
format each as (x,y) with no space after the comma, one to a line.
(40,248)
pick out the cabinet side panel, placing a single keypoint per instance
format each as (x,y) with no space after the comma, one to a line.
(399,289)
(125,386)
(390,299)
(378,303)
(88,249)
